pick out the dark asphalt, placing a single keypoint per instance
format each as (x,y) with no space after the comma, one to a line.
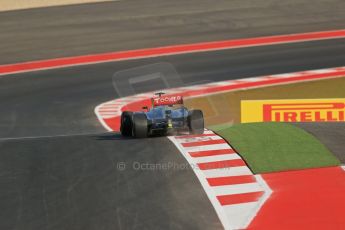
(111,26)
(332,135)
(71,182)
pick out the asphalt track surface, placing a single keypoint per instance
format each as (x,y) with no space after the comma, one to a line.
(73,183)
(124,25)
(58,169)
(332,135)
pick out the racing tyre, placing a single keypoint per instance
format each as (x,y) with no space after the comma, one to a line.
(126,124)
(139,125)
(196,122)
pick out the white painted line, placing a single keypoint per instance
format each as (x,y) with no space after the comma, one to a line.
(237,189)
(238,213)
(198,139)
(233,171)
(101,119)
(111,109)
(318,71)
(194,87)
(48,136)
(222,157)
(109,116)
(208,132)
(108,113)
(250,79)
(110,106)
(217,84)
(207,147)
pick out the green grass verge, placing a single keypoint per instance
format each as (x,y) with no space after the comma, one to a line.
(270,147)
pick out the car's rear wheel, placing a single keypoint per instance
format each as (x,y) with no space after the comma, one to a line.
(140,129)
(196,122)
(126,123)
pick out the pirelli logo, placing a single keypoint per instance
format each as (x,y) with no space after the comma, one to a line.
(310,110)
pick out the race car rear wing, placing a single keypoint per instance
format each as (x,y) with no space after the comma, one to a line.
(167,100)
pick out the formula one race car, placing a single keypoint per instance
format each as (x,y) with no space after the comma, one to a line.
(166,116)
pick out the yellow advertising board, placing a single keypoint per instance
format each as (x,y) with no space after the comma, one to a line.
(297,110)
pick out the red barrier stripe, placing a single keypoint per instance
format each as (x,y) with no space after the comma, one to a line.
(239,198)
(212,152)
(201,143)
(231,180)
(221,164)
(196,135)
(168,50)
